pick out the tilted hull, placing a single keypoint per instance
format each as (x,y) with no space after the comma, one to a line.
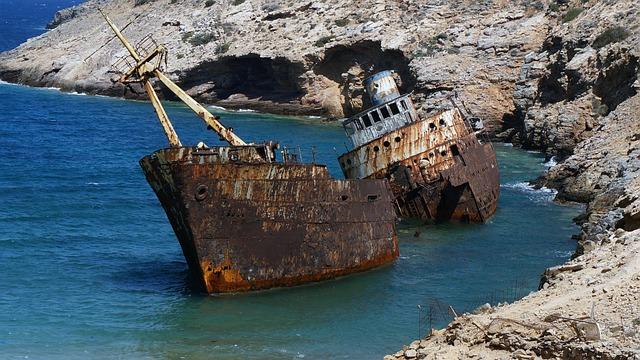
(437,169)
(248,225)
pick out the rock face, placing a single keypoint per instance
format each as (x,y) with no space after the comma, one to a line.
(556,75)
(583,71)
(297,57)
(577,98)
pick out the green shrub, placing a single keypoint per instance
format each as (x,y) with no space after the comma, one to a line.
(186,35)
(209,3)
(342,22)
(598,107)
(237,2)
(571,14)
(323,41)
(141,2)
(609,36)
(201,39)
(425,49)
(553,7)
(179,56)
(441,36)
(223,48)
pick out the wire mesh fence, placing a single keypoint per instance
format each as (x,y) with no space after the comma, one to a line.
(435,313)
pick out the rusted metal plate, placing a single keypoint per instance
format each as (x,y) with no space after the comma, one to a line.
(437,168)
(249,224)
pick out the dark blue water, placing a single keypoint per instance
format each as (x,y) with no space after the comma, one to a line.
(90,268)
(22,19)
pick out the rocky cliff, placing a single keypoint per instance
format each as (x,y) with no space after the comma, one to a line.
(559,76)
(577,97)
(297,57)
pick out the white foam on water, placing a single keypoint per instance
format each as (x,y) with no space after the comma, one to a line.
(93,183)
(78,94)
(562,254)
(507,144)
(551,163)
(216,107)
(245,110)
(543,194)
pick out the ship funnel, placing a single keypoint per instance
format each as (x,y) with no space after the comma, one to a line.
(381,87)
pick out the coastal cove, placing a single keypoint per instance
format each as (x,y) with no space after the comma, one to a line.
(91,267)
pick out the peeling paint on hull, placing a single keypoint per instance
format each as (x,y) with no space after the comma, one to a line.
(437,168)
(246,224)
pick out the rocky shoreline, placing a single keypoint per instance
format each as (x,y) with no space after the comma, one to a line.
(557,76)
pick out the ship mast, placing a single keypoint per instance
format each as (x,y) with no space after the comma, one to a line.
(143,69)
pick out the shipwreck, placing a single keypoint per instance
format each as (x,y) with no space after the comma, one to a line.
(250,217)
(439,167)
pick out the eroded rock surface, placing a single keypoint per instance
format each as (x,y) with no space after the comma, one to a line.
(583,71)
(577,98)
(297,57)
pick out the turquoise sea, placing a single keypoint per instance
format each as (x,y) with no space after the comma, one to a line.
(90,267)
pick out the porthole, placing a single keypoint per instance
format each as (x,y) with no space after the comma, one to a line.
(344,197)
(386,143)
(442,122)
(431,155)
(397,139)
(432,126)
(201,192)
(376,148)
(443,153)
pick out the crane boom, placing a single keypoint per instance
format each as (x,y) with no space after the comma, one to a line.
(144,70)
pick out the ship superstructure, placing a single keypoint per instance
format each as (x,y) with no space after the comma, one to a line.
(438,166)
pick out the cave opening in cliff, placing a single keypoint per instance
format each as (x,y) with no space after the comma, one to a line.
(348,65)
(272,79)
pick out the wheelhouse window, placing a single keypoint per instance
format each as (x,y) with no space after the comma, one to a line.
(394,108)
(404,104)
(366,120)
(385,112)
(375,116)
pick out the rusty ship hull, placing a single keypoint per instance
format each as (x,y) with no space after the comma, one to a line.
(438,167)
(252,224)
(433,175)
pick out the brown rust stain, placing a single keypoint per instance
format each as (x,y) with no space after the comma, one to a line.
(246,225)
(437,168)
(225,279)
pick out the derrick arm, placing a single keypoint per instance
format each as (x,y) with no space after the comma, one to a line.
(211,120)
(140,69)
(144,70)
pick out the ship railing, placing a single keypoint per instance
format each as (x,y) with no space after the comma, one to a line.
(379,120)
(298,155)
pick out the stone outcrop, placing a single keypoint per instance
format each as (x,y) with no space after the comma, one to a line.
(560,76)
(586,67)
(577,98)
(297,57)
